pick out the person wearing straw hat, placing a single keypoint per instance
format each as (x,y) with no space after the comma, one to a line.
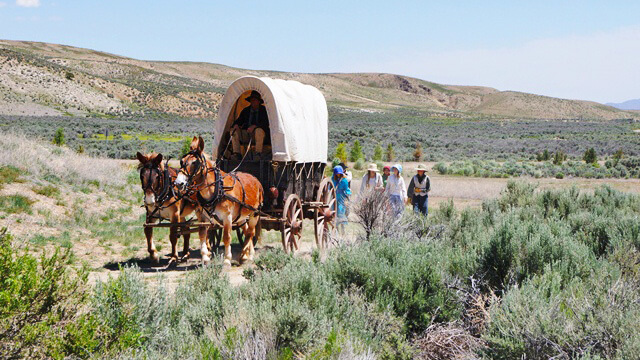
(396,190)
(419,188)
(253,122)
(371,179)
(342,197)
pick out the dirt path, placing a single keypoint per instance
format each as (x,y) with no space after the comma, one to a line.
(170,277)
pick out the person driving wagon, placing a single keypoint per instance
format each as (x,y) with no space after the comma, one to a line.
(253,123)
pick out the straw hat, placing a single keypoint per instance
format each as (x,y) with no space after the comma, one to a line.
(421,167)
(372,167)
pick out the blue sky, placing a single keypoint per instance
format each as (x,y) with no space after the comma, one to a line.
(572,49)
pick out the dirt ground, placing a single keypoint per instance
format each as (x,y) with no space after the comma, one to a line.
(464,191)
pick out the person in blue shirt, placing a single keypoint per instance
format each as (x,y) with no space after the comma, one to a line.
(342,197)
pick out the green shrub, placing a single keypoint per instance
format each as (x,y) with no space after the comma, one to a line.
(590,156)
(390,154)
(597,315)
(559,175)
(38,298)
(47,190)
(356,153)
(58,138)
(396,275)
(441,168)
(359,164)
(15,204)
(377,153)
(9,174)
(341,152)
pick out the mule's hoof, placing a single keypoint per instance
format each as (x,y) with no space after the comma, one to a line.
(246,260)
(155,259)
(226,263)
(205,260)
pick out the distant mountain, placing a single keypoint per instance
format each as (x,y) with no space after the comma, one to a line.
(48,79)
(627,105)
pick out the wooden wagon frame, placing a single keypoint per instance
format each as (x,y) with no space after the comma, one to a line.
(291,173)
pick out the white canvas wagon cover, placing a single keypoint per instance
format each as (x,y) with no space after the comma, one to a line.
(298,117)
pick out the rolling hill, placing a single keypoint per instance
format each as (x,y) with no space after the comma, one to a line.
(49,79)
(633,104)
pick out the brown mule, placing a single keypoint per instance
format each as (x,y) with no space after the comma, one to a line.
(161,202)
(228,199)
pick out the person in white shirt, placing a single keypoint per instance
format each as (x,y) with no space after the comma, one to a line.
(371,180)
(397,190)
(347,173)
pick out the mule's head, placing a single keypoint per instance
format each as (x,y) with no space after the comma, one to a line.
(193,164)
(150,167)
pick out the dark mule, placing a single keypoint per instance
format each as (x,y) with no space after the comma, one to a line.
(228,199)
(161,202)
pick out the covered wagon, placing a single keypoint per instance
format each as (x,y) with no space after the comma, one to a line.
(292,164)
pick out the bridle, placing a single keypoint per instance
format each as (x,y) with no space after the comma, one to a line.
(162,192)
(201,168)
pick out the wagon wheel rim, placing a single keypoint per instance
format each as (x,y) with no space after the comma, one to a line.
(324,218)
(292,224)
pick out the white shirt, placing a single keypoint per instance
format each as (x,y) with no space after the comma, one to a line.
(373,182)
(395,186)
(348,175)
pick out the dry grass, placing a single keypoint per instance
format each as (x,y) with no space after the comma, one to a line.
(42,159)
(447,341)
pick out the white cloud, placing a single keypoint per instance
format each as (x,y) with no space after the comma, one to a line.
(28,3)
(601,67)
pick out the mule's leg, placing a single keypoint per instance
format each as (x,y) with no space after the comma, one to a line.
(173,239)
(226,237)
(151,247)
(249,231)
(204,246)
(186,251)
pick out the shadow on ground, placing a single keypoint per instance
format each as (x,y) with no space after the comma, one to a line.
(192,263)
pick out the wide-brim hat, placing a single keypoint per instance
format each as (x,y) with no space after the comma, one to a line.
(338,170)
(254,95)
(421,167)
(372,167)
(343,166)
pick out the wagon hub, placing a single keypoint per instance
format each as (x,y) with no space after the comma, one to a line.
(328,214)
(296,227)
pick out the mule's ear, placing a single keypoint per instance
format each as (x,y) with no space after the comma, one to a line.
(157,160)
(200,144)
(194,143)
(141,158)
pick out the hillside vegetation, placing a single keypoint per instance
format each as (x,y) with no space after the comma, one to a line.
(49,79)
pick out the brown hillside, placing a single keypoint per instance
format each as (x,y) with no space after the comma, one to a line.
(49,79)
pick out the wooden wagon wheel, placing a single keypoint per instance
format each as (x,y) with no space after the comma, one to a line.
(292,223)
(324,222)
